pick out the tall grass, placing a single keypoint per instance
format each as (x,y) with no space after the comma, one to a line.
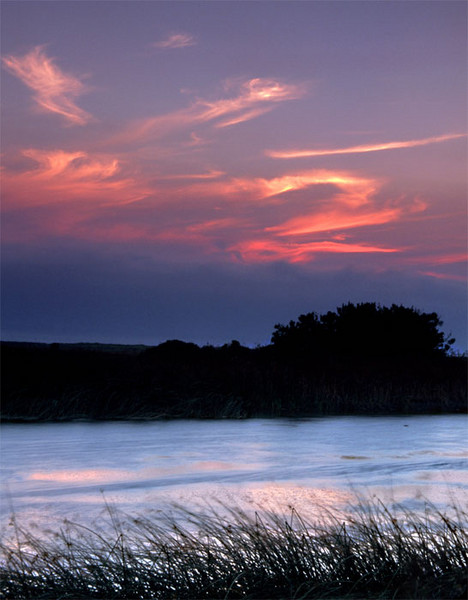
(372,553)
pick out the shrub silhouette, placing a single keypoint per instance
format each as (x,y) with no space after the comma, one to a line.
(365,329)
(360,359)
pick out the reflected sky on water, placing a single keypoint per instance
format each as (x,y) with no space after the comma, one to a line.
(68,470)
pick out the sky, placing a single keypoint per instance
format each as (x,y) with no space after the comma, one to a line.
(204,170)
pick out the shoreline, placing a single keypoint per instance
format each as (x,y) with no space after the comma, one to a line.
(144,419)
(45,383)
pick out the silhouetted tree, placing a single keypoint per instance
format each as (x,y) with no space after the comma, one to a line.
(365,329)
(174,350)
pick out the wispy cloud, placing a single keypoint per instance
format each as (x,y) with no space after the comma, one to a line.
(449,276)
(270,250)
(99,196)
(176,40)
(440,259)
(252,99)
(246,116)
(351,190)
(255,97)
(55,90)
(335,220)
(213,174)
(297,231)
(62,177)
(71,165)
(363,148)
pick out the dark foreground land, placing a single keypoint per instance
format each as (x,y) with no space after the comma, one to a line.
(180,380)
(374,554)
(361,359)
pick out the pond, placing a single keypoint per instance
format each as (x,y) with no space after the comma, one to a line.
(53,471)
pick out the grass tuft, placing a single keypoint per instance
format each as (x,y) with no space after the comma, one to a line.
(229,553)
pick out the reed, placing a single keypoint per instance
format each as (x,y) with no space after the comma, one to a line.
(373,552)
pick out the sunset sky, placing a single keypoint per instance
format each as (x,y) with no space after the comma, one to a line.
(204,170)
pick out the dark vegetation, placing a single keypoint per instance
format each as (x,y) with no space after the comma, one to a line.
(374,553)
(361,359)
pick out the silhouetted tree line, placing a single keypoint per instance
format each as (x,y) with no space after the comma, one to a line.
(361,359)
(366,330)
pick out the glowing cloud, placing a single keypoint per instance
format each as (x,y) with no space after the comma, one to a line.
(254,98)
(54,89)
(352,190)
(444,276)
(176,40)
(440,259)
(252,93)
(246,116)
(355,190)
(335,220)
(213,174)
(363,148)
(265,250)
(249,219)
(349,204)
(72,165)
(61,176)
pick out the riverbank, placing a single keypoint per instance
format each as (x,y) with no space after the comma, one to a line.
(60,382)
(375,553)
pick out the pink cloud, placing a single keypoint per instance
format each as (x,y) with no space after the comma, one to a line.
(444,259)
(335,220)
(363,148)
(55,91)
(71,165)
(252,93)
(97,196)
(266,250)
(176,40)
(444,276)
(216,225)
(60,176)
(350,205)
(352,190)
(253,98)
(245,116)
(213,174)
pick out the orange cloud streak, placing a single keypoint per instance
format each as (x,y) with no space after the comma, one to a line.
(356,190)
(444,276)
(254,98)
(213,174)
(217,225)
(68,164)
(353,191)
(333,220)
(60,176)
(267,250)
(252,92)
(54,90)
(246,116)
(363,148)
(229,215)
(440,259)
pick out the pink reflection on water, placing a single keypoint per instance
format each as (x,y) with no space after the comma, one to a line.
(107,475)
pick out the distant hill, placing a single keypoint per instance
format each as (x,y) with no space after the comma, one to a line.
(89,346)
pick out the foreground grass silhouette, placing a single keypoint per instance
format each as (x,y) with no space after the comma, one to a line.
(374,553)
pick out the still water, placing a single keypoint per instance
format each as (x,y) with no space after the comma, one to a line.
(68,470)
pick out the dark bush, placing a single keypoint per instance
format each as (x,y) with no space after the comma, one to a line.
(366,329)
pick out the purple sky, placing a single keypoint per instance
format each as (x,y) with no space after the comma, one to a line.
(204,170)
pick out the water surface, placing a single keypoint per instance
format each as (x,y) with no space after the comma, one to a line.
(53,471)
